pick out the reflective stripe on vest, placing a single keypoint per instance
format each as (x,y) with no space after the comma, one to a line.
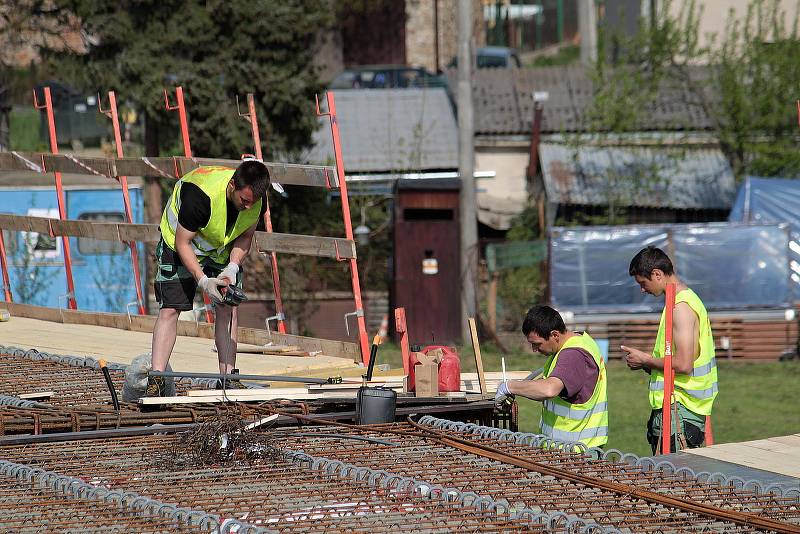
(697,389)
(696,393)
(583,435)
(586,422)
(574,413)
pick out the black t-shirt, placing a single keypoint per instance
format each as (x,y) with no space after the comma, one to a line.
(196,209)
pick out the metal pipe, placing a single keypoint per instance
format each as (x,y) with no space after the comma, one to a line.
(62,203)
(269,378)
(252,118)
(348,226)
(110,384)
(126,200)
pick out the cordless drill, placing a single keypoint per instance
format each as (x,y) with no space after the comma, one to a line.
(233,296)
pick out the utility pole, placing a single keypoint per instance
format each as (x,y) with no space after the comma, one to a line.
(587,26)
(466,169)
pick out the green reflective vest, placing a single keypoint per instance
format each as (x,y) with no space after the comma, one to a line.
(212,241)
(587,422)
(697,390)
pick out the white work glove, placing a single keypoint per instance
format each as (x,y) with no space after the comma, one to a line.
(211,287)
(502,394)
(230,272)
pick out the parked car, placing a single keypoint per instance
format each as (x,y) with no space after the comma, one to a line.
(386,77)
(497,57)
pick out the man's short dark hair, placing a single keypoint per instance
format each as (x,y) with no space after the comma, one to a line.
(650,258)
(543,320)
(252,173)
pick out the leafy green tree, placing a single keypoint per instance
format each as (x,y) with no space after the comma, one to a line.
(742,81)
(215,49)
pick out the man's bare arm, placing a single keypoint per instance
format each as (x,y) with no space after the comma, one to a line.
(241,246)
(183,247)
(539,390)
(686,344)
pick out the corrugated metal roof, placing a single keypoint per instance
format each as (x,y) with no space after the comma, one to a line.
(391,130)
(678,178)
(504,101)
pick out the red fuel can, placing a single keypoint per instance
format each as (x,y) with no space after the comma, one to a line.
(449,368)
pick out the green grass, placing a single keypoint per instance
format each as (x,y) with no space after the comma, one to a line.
(756,400)
(25,130)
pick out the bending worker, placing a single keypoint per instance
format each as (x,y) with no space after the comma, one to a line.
(693,362)
(206,231)
(573,385)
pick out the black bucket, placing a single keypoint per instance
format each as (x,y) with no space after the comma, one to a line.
(375,405)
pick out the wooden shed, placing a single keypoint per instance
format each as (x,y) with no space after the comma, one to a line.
(426,269)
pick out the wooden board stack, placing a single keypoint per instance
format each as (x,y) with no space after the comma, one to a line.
(346,390)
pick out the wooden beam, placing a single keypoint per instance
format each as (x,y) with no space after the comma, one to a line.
(139,232)
(306,245)
(168,167)
(476,347)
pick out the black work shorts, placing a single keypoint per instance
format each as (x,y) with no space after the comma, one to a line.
(174,285)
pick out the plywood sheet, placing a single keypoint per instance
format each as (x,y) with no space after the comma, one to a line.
(778,455)
(122,346)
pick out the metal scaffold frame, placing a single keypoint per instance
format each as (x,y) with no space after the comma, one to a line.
(268,243)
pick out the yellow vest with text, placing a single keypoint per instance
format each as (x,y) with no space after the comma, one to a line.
(586,422)
(697,390)
(213,241)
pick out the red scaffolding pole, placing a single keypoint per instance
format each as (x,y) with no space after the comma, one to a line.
(187,151)
(62,206)
(669,376)
(348,226)
(4,265)
(252,118)
(111,112)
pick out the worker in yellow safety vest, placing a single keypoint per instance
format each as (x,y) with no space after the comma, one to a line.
(572,388)
(693,362)
(206,231)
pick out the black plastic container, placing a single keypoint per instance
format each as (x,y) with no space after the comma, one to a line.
(375,405)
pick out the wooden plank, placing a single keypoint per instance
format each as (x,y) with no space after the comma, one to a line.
(253,392)
(283,173)
(338,349)
(71,228)
(306,245)
(112,320)
(476,348)
(36,395)
(214,396)
(25,223)
(78,164)
(33,312)
(164,167)
(139,232)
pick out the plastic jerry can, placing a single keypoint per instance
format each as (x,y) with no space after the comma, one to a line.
(449,368)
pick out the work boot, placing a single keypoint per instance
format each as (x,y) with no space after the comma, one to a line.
(231,383)
(156,387)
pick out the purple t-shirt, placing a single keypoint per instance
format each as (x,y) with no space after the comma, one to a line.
(576,368)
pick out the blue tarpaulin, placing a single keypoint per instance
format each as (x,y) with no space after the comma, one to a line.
(730,266)
(772,200)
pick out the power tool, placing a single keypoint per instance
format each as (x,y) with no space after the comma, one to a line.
(233,296)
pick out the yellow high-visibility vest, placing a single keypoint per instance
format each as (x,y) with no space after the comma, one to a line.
(697,390)
(213,241)
(586,422)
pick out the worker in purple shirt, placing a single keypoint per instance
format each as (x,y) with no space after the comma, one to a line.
(573,384)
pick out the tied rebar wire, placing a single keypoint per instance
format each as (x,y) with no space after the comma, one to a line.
(646,463)
(397,483)
(77,488)
(224,439)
